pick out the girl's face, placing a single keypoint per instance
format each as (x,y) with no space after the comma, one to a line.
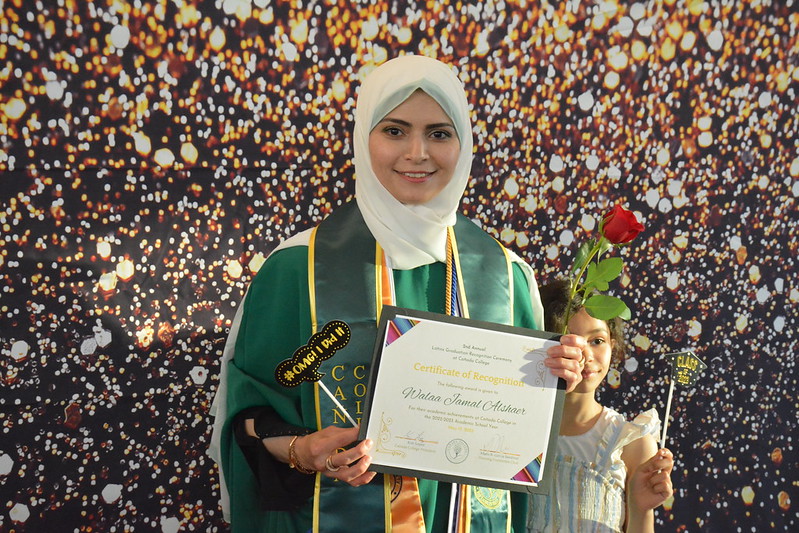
(414,150)
(600,347)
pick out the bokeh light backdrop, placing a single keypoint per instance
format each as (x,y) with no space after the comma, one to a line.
(153,152)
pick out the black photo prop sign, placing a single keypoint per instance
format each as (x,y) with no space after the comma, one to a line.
(685,370)
(304,364)
(685,367)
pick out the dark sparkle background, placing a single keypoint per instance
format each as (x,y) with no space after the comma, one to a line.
(153,152)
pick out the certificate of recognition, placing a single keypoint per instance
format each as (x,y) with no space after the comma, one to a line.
(462,400)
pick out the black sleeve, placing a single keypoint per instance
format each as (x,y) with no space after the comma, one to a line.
(281,488)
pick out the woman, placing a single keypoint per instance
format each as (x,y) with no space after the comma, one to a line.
(609,474)
(284,451)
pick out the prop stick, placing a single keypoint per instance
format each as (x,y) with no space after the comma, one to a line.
(666,418)
(335,401)
(304,364)
(685,369)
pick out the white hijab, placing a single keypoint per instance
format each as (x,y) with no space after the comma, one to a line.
(411,235)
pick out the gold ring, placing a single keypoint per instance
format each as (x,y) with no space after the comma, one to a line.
(329,464)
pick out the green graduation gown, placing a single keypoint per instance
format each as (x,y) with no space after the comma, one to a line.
(276,320)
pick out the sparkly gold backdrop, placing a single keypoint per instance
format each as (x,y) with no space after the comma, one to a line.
(153,151)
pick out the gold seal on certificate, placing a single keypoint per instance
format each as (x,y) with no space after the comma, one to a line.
(462,400)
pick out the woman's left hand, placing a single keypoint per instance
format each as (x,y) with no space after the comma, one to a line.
(564,360)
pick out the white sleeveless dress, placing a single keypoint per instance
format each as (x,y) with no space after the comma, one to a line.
(589,477)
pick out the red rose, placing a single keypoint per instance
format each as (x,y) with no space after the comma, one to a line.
(620,226)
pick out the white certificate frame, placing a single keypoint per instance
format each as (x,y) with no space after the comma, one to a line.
(463,401)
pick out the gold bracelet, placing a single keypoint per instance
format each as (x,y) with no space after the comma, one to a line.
(294,462)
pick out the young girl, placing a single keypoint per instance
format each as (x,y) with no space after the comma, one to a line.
(609,474)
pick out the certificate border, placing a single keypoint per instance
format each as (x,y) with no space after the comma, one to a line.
(390,312)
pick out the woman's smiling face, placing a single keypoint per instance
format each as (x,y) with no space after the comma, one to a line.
(414,150)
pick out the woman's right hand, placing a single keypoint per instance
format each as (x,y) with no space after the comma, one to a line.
(324,451)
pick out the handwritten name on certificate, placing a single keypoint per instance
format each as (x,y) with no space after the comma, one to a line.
(449,400)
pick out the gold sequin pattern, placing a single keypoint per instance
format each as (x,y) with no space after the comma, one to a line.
(152,153)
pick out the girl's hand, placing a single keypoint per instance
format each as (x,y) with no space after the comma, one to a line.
(565,359)
(324,451)
(650,484)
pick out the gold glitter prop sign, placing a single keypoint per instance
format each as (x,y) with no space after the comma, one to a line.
(685,369)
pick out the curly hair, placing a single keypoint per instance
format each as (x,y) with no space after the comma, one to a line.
(555,297)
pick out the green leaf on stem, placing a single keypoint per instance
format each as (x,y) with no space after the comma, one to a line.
(604,246)
(599,274)
(604,307)
(583,256)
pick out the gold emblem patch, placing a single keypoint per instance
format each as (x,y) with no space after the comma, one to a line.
(490,498)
